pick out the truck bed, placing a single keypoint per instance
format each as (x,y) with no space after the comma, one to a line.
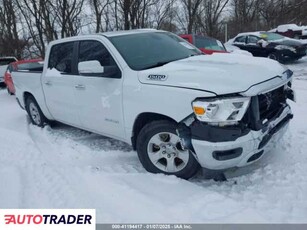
(27,81)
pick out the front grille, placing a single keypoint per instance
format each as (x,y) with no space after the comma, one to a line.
(271,102)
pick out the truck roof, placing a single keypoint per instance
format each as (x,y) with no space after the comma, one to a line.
(125,32)
(106,34)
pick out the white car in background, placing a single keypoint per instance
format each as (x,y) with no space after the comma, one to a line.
(4,62)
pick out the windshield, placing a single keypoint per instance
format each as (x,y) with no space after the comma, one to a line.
(271,36)
(147,50)
(209,43)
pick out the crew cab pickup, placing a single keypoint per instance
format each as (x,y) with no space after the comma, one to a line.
(179,109)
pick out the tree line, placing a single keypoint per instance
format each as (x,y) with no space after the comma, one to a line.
(26,26)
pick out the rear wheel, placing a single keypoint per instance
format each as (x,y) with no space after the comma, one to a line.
(160,151)
(35,113)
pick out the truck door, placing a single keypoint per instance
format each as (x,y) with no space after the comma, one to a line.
(99,96)
(59,84)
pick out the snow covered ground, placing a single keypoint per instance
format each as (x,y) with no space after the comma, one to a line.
(64,167)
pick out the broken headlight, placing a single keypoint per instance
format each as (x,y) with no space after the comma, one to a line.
(226,111)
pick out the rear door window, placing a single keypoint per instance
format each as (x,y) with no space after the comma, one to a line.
(61,57)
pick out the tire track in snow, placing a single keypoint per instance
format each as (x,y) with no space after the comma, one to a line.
(66,147)
(51,181)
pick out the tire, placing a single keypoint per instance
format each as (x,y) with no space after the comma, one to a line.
(35,113)
(274,56)
(277,57)
(159,151)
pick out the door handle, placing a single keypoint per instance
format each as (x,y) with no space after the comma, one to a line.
(79,86)
(48,83)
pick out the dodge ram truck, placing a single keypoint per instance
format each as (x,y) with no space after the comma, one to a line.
(179,109)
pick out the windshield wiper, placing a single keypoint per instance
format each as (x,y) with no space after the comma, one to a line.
(162,63)
(158,64)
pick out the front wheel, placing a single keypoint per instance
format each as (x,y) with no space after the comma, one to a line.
(160,151)
(35,113)
(277,56)
(274,56)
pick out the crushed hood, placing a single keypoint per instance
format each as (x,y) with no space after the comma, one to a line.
(218,73)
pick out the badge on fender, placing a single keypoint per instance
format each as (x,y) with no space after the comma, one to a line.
(155,77)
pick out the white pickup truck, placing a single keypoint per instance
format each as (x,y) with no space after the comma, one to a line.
(179,109)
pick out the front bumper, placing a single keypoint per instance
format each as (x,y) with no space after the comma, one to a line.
(245,149)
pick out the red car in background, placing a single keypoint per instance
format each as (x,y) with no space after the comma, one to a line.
(25,65)
(205,44)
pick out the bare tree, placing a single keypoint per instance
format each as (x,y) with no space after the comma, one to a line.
(33,21)
(163,14)
(99,8)
(211,18)
(10,43)
(191,9)
(69,17)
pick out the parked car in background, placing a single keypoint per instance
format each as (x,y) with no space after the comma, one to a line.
(289,30)
(179,109)
(4,62)
(271,45)
(206,44)
(32,65)
(304,32)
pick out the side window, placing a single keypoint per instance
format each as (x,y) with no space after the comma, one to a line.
(240,39)
(252,40)
(61,56)
(95,50)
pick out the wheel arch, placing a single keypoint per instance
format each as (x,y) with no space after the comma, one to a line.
(26,95)
(143,119)
(42,106)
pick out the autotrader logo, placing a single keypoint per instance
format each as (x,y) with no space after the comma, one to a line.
(79,219)
(48,219)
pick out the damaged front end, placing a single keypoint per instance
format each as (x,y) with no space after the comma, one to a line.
(236,131)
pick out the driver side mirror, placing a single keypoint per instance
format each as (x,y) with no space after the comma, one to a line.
(94,69)
(90,68)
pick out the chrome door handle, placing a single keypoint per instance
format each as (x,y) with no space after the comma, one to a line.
(79,86)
